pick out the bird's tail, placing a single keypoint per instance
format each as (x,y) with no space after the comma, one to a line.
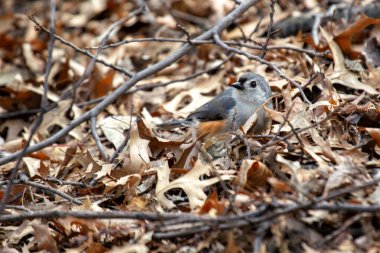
(176,123)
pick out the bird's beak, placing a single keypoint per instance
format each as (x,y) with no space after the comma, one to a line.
(238,86)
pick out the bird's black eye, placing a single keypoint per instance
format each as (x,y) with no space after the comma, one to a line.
(253,84)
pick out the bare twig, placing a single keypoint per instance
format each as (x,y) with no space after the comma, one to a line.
(269,30)
(9,115)
(91,65)
(350,189)
(183,29)
(314,31)
(190,18)
(64,182)
(79,50)
(52,190)
(297,137)
(341,229)
(51,214)
(96,138)
(125,141)
(228,42)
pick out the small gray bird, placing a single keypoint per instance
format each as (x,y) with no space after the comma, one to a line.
(231,108)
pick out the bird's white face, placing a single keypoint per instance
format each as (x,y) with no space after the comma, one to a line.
(253,87)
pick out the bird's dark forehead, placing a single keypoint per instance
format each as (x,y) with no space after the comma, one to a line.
(242,79)
(248,76)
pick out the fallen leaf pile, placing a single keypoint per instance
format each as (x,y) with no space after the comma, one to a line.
(84,166)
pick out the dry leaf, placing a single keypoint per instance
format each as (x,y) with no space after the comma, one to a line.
(341,75)
(190,183)
(344,39)
(44,239)
(252,174)
(139,151)
(114,128)
(58,117)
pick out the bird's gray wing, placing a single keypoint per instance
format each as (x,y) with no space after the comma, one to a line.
(216,109)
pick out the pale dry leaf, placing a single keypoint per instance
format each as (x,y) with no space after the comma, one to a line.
(35,64)
(249,27)
(55,153)
(24,229)
(9,76)
(278,85)
(89,163)
(207,83)
(139,151)
(341,75)
(275,115)
(57,117)
(197,99)
(76,67)
(105,170)
(324,145)
(32,165)
(163,176)
(251,122)
(149,121)
(114,127)
(203,85)
(88,205)
(298,116)
(124,182)
(13,128)
(315,216)
(40,90)
(190,183)
(342,175)
(322,164)
(293,166)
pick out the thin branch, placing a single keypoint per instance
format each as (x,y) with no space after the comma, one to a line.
(96,138)
(91,65)
(341,229)
(269,30)
(26,181)
(63,182)
(79,50)
(125,141)
(228,42)
(203,23)
(350,189)
(183,29)
(52,214)
(314,31)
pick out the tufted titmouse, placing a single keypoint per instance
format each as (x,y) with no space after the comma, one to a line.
(231,108)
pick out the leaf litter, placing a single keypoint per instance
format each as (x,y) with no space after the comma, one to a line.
(308,183)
